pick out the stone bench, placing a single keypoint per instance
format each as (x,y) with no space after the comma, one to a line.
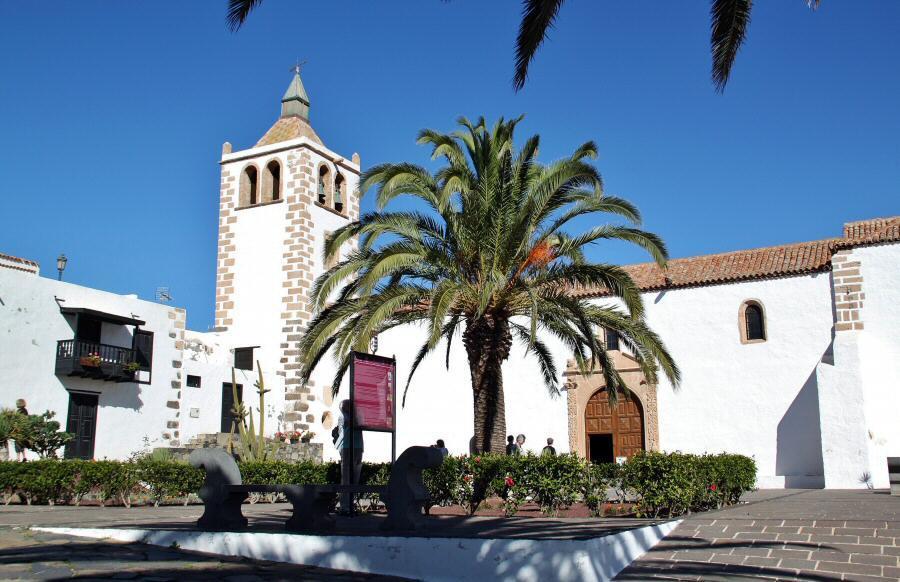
(223,493)
(894,474)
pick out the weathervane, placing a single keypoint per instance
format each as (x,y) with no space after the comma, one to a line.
(296,68)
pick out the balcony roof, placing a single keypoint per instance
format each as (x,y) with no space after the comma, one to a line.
(101,315)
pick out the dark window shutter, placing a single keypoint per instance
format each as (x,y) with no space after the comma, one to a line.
(243,358)
(612,340)
(193,381)
(143,349)
(754,320)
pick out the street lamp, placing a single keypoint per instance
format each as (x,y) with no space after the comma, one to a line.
(61,261)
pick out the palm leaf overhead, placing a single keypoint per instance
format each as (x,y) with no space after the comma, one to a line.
(493,260)
(730,19)
(238,11)
(729,22)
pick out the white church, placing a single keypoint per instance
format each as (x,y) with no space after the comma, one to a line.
(790,354)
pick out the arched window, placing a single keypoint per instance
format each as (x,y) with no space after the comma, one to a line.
(321,190)
(339,192)
(273,181)
(249,186)
(752,322)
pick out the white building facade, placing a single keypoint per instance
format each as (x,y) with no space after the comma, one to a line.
(790,354)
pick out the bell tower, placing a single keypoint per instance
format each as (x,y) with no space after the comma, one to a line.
(278,201)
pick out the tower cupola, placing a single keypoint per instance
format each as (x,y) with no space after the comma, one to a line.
(295,102)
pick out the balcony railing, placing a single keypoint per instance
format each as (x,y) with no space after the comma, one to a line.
(93,360)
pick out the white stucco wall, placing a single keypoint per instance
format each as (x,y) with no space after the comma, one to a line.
(757,399)
(30,327)
(879,354)
(439,402)
(258,275)
(210,357)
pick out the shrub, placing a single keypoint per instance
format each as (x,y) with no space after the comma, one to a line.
(677,483)
(554,482)
(725,478)
(169,479)
(40,433)
(106,480)
(598,479)
(444,483)
(9,480)
(481,476)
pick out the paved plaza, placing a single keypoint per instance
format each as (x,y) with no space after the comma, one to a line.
(787,535)
(806,535)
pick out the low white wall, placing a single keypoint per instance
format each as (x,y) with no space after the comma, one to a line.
(520,560)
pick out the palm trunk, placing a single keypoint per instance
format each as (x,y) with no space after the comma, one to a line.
(487,341)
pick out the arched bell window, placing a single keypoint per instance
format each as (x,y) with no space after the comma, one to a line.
(339,192)
(752,322)
(321,187)
(249,186)
(273,181)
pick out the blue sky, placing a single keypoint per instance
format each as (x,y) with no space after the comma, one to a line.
(113,116)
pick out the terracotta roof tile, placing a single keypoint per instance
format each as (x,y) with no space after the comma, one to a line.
(18,264)
(876,230)
(287,128)
(764,263)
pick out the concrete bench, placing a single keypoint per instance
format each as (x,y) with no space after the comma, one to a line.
(223,493)
(894,474)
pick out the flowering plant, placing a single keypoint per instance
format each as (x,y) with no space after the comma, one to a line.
(92,359)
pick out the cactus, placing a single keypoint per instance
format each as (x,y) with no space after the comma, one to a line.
(253,446)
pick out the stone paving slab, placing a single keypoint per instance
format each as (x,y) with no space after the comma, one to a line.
(791,535)
(31,555)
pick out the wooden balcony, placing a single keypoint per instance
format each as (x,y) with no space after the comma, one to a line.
(94,360)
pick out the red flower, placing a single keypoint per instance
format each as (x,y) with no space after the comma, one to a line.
(713,487)
(467,478)
(509,481)
(477,459)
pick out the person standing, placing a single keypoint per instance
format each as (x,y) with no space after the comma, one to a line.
(520,444)
(440,446)
(351,452)
(549,450)
(511,447)
(20,447)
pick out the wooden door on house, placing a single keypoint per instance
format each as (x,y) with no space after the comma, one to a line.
(228,404)
(622,424)
(81,422)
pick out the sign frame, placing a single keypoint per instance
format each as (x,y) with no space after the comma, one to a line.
(392,361)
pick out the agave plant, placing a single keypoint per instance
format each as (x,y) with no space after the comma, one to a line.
(492,259)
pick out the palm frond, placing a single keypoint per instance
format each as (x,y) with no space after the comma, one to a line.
(730,20)
(238,11)
(537,19)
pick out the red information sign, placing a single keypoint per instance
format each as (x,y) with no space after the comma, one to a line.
(373,392)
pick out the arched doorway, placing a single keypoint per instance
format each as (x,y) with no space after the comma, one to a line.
(613,431)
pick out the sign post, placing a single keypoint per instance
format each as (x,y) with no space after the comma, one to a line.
(373,396)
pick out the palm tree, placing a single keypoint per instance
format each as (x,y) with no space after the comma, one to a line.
(730,19)
(491,258)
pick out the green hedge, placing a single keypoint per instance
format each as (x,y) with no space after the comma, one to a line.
(662,484)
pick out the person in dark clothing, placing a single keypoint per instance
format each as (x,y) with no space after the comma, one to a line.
(511,447)
(20,449)
(549,450)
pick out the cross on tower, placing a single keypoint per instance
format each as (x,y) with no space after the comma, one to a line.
(296,68)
